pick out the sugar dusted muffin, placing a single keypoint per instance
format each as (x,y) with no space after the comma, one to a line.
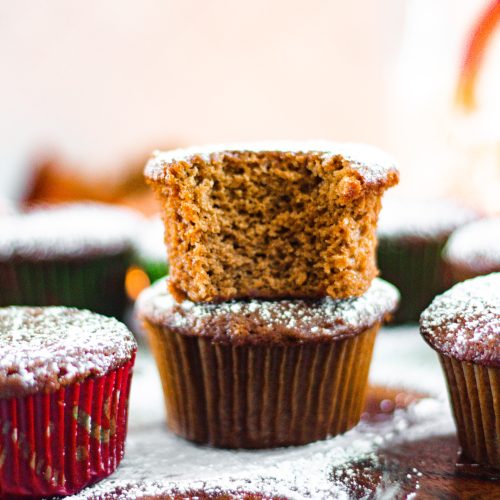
(473,250)
(261,373)
(64,384)
(271,220)
(72,255)
(411,236)
(463,326)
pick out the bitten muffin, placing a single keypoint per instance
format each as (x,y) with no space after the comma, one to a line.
(64,385)
(411,236)
(271,220)
(260,374)
(463,326)
(150,252)
(473,250)
(71,255)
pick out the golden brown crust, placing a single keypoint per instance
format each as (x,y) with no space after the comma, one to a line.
(269,224)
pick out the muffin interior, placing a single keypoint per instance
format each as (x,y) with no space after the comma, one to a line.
(267,223)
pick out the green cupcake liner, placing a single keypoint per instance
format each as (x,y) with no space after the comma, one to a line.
(416,269)
(96,283)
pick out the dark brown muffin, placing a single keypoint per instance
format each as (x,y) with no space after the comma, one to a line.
(463,326)
(67,255)
(411,236)
(259,374)
(271,220)
(473,250)
(64,383)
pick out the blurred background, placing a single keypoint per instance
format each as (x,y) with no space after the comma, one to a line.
(87,92)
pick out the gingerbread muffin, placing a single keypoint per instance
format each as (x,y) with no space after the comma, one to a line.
(64,384)
(463,326)
(262,373)
(271,220)
(411,236)
(473,250)
(71,255)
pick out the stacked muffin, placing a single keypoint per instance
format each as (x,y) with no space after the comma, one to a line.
(265,334)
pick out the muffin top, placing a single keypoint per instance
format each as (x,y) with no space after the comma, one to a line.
(421,220)
(375,167)
(269,321)
(464,322)
(475,246)
(43,349)
(66,231)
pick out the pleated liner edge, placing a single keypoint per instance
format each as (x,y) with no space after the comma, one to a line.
(261,396)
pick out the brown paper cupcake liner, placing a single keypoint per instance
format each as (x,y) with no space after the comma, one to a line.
(416,269)
(261,396)
(96,283)
(475,396)
(58,443)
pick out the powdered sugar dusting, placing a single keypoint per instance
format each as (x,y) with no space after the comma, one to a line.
(425,218)
(326,317)
(464,322)
(476,246)
(68,230)
(42,349)
(371,163)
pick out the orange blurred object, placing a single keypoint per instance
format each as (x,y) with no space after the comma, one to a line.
(474,55)
(55,181)
(136,281)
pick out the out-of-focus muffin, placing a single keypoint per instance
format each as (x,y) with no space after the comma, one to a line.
(473,250)
(72,255)
(411,236)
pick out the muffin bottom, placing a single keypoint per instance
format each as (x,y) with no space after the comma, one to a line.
(475,396)
(261,396)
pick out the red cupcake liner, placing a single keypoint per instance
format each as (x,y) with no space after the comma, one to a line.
(59,443)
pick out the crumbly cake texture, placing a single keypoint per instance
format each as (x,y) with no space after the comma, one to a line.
(475,248)
(44,349)
(271,220)
(464,322)
(269,321)
(421,219)
(68,231)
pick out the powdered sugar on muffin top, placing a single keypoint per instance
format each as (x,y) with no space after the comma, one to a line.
(69,230)
(476,246)
(372,164)
(421,219)
(42,349)
(270,320)
(464,322)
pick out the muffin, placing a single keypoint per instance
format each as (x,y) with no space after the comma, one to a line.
(473,250)
(463,326)
(150,252)
(411,236)
(64,385)
(271,220)
(261,373)
(72,255)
